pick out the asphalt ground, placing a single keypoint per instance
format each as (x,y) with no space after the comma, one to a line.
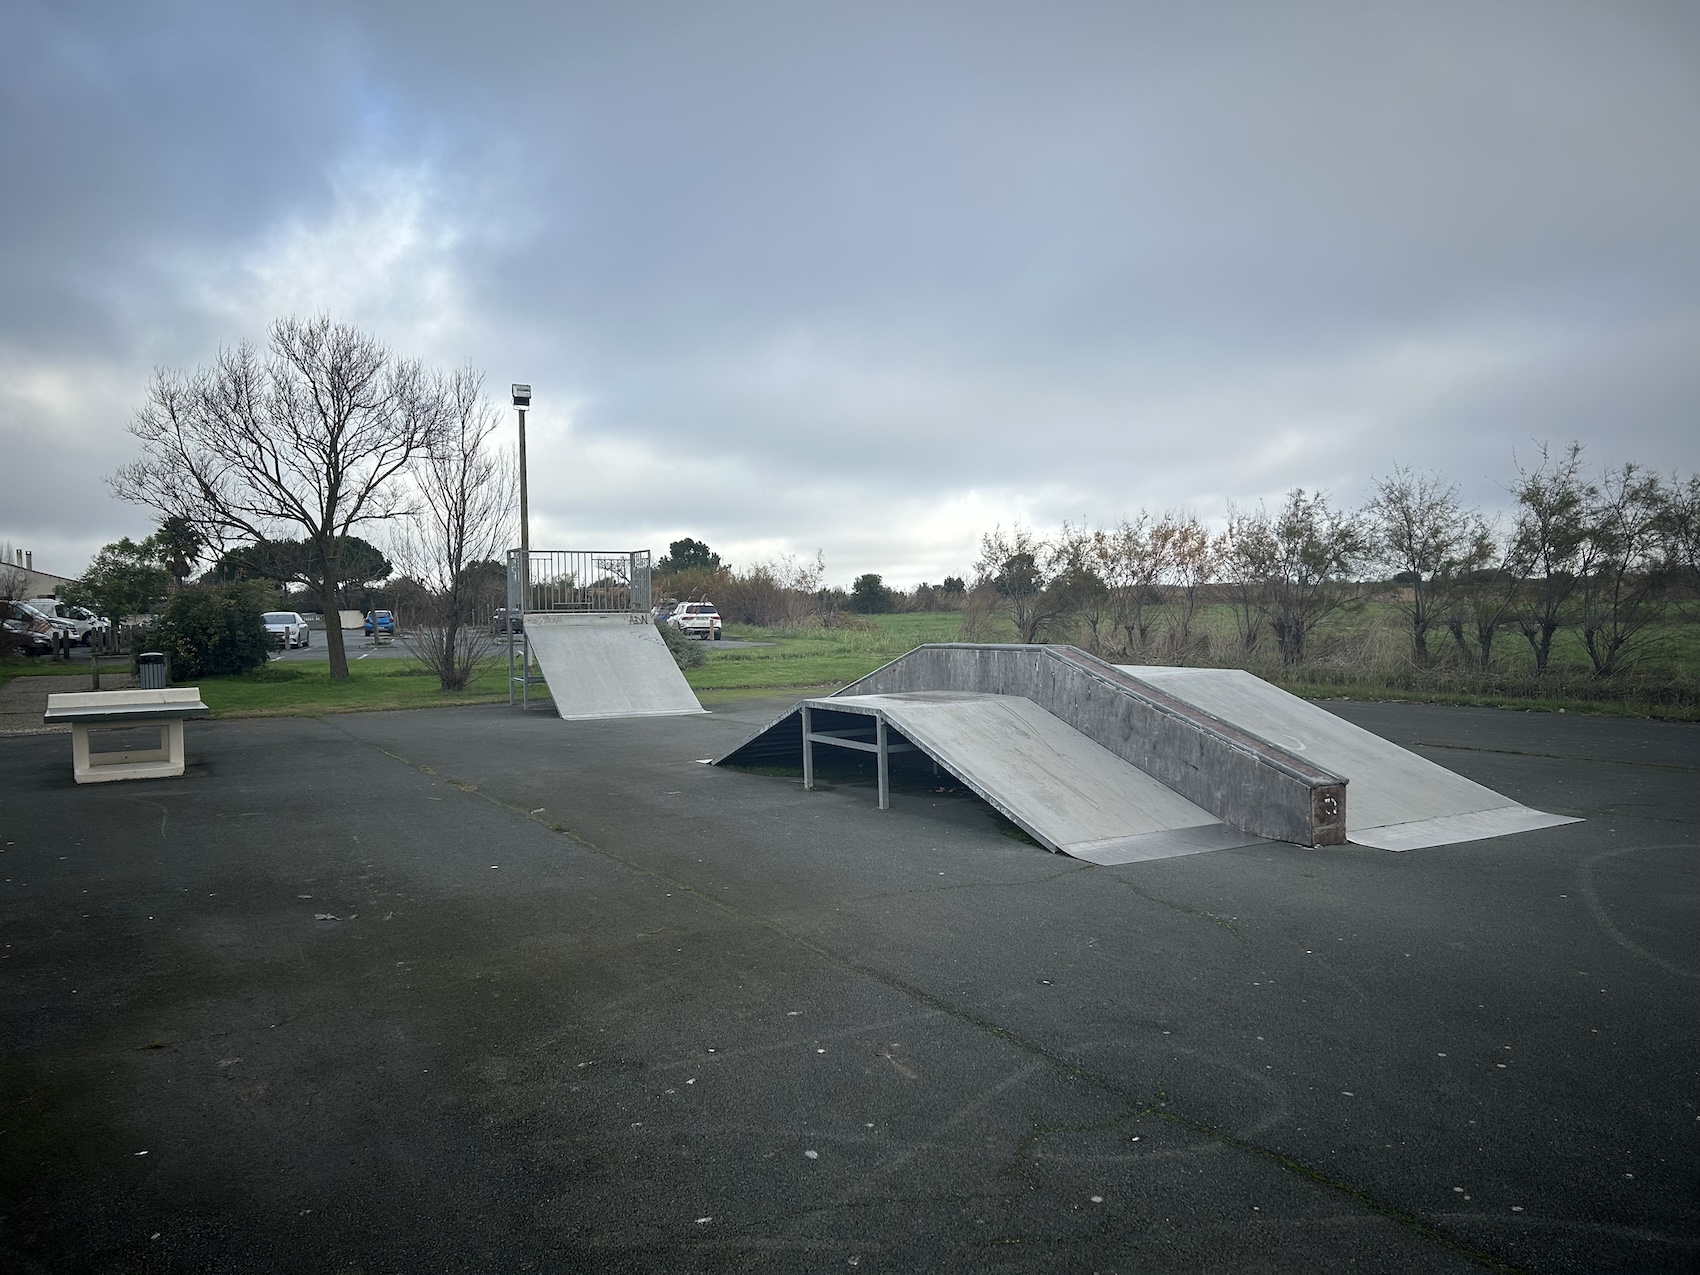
(471,990)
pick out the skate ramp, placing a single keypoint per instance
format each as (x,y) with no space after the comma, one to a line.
(1048,779)
(607,665)
(1397,800)
(1238,777)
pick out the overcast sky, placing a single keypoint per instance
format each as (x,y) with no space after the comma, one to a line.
(869,278)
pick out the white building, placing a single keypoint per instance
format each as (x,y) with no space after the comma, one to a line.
(20,579)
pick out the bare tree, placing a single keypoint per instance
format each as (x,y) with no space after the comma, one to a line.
(1622,584)
(1430,540)
(1546,545)
(1682,540)
(1482,597)
(314,437)
(1078,587)
(1317,547)
(1130,562)
(1018,566)
(453,546)
(1247,553)
(1186,555)
(13,581)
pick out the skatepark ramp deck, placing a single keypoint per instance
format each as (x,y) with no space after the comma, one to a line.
(1242,758)
(607,665)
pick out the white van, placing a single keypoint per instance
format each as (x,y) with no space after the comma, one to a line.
(77,621)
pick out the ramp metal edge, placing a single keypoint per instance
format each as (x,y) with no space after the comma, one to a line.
(1446,830)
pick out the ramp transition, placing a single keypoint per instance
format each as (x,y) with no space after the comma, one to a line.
(1101,761)
(607,665)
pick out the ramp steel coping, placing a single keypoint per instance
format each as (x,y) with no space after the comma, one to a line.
(881,745)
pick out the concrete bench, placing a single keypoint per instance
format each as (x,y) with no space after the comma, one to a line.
(120,710)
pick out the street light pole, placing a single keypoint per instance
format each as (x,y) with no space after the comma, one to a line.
(522,400)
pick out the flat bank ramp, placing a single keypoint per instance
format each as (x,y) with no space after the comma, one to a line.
(1062,789)
(607,665)
(1396,800)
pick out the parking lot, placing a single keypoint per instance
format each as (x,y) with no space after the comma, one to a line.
(476,990)
(354,642)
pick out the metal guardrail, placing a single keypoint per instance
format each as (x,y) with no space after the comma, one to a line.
(579,580)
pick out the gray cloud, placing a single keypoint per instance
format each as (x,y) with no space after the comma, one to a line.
(867,278)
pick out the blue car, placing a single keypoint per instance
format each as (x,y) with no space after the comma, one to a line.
(380,622)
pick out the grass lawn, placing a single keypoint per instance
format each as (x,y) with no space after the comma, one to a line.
(305,689)
(817,658)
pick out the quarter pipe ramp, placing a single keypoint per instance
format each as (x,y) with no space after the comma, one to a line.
(607,665)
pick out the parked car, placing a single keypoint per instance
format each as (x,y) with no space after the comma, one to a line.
(59,623)
(499,621)
(29,630)
(379,622)
(79,622)
(696,619)
(287,629)
(96,623)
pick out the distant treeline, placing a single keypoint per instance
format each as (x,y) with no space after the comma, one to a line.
(1599,562)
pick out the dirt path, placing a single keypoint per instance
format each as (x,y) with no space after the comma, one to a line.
(24,699)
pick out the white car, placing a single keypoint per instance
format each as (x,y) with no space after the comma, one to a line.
(696,619)
(287,629)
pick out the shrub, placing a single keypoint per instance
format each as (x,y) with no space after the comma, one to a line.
(686,652)
(206,632)
(870,595)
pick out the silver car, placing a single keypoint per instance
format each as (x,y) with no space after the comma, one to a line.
(287,629)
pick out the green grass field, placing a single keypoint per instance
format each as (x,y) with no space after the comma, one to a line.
(1361,654)
(817,657)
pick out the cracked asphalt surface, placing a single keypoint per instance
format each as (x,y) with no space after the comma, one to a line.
(465,990)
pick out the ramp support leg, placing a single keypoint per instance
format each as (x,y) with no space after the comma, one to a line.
(885,762)
(808,750)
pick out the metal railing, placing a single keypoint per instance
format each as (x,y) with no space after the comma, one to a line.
(579,580)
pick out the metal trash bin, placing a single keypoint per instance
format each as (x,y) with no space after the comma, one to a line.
(152,671)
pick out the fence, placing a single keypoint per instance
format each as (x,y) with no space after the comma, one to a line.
(579,580)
